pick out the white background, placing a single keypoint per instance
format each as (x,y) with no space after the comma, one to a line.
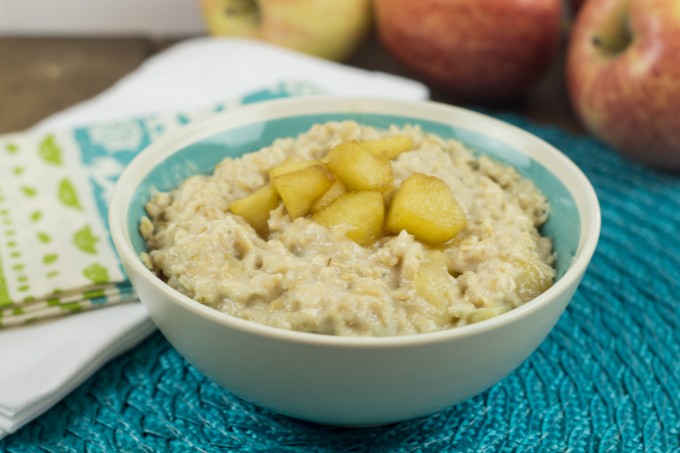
(101,17)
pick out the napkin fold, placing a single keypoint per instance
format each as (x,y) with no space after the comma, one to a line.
(55,182)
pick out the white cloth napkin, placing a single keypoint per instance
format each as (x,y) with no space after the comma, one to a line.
(198,73)
(43,362)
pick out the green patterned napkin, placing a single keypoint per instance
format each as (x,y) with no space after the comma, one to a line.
(56,254)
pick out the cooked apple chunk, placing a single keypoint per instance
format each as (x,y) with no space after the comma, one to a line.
(291,165)
(532,279)
(363,211)
(432,280)
(255,208)
(359,169)
(482,314)
(337,189)
(300,188)
(425,207)
(390,147)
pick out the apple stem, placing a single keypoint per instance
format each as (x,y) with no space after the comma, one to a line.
(615,36)
(611,46)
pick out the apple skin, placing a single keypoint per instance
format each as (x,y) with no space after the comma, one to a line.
(623,76)
(575,5)
(474,50)
(330,29)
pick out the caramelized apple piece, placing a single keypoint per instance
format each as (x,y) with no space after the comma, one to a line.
(425,207)
(337,189)
(300,188)
(532,279)
(358,169)
(291,165)
(482,314)
(363,211)
(432,280)
(390,147)
(255,208)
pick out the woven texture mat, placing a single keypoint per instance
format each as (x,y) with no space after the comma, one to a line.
(606,379)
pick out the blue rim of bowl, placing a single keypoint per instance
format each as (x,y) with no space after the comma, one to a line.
(535,148)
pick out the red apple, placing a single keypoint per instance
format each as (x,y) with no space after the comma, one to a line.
(575,5)
(623,75)
(486,50)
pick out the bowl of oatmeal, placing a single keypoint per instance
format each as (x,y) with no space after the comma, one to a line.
(354,261)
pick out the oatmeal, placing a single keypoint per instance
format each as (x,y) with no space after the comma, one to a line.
(299,274)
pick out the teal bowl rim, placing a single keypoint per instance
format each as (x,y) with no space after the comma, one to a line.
(329,107)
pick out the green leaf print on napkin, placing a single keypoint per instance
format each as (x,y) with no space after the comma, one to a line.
(50,151)
(97,273)
(5,299)
(51,258)
(68,195)
(29,191)
(43,237)
(85,240)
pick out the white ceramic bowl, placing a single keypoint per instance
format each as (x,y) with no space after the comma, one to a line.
(354,381)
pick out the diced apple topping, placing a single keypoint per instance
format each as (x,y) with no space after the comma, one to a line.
(363,211)
(300,188)
(291,165)
(349,187)
(482,314)
(390,147)
(425,207)
(531,280)
(255,208)
(337,189)
(431,280)
(359,169)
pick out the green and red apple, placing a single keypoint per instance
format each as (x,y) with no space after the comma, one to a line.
(476,50)
(331,29)
(623,76)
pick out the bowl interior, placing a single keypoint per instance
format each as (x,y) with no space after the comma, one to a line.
(201,156)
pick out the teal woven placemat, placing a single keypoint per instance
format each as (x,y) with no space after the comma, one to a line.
(606,379)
